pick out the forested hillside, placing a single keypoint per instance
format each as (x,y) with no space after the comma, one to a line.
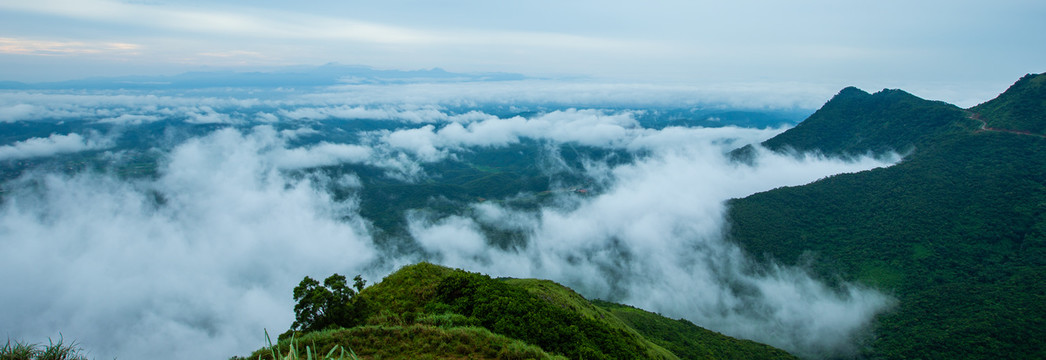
(1022,108)
(956,231)
(855,122)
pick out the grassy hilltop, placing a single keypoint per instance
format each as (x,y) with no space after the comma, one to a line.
(425,311)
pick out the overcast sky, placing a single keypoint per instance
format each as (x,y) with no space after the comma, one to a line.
(957,51)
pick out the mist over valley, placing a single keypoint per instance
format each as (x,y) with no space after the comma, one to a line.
(171,219)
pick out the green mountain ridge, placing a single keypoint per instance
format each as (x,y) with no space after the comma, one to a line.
(855,122)
(426,311)
(956,231)
(1021,108)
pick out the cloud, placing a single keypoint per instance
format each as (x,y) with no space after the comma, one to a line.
(17,112)
(119,107)
(206,254)
(287,24)
(456,239)
(584,127)
(423,115)
(53,145)
(322,154)
(53,48)
(207,115)
(654,239)
(130,119)
(411,103)
(589,127)
(420,142)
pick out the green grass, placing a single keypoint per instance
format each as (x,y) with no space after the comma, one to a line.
(294,351)
(18,350)
(567,298)
(53,351)
(418,341)
(426,311)
(687,340)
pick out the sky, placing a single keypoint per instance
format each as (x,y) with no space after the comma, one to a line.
(963,52)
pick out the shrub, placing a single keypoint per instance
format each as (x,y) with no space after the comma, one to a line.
(333,304)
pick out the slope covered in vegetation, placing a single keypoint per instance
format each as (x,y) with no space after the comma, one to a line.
(956,231)
(429,311)
(1021,108)
(855,122)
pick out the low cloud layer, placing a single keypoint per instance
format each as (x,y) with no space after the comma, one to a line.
(53,145)
(194,264)
(654,239)
(416,103)
(207,251)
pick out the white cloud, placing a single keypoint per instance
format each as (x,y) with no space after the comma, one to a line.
(296,26)
(17,112)
(207,115)
(266,117)
(420,142)
(456,239)
(322,154)
(130,119)
(416,115)
(296,133)
(52,145)
(53,48)
(654,240)
(206,254)
(585,127)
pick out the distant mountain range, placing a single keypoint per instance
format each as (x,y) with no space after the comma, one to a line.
(956,231)
(296,76)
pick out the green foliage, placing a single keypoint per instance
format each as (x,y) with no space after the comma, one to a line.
(333,304)
(425,311)
(1021,108)
(294,352)
(955,232)
(408,290)
(514,312)
(855,123)
(687,340)
(53,351)
(405,342)
(18,351)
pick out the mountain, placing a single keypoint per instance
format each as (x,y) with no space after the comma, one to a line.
(855,122)
(1022,108)
(956,231)
(430,311)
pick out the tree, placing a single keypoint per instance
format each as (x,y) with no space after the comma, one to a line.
(334,304)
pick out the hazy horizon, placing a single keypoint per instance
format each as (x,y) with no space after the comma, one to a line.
(961,52)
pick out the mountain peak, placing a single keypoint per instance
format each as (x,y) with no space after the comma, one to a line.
(1021,108)
(850,92)
(855,122)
